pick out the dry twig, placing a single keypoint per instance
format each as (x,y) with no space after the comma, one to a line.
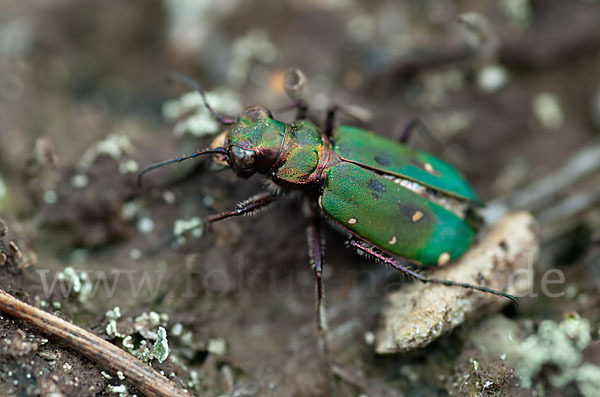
(107,355)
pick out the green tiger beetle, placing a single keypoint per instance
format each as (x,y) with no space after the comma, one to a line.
(398,205)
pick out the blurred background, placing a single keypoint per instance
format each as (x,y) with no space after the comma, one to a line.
(510,90)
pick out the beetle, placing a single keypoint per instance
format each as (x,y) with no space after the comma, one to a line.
(402,206)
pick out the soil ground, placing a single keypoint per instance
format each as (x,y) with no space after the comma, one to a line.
(238,303)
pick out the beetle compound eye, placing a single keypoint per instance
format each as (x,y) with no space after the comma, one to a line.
(257,112)
(241,158)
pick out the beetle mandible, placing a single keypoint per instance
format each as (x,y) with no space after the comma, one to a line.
(399,205)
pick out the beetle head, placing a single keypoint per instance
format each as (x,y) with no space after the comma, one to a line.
(253,142)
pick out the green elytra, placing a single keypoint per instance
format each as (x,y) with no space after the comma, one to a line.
(354,174)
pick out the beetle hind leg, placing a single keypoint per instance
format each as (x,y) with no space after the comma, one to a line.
(365,248)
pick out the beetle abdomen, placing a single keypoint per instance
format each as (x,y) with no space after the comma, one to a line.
(392,217)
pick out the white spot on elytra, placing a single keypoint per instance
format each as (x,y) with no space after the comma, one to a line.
(444,258)
(417,216)
(352,221)
(429,168)
(393,240)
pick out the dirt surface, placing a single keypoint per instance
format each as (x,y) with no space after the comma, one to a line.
(82,92)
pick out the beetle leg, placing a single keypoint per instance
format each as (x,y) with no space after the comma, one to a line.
(415,124)
(302,110)
(300,107)
(315,248)
(395,264)
(246,207)
(408,129)
(356,112)
(331,111)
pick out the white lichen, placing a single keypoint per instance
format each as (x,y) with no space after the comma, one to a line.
(114,145)
(50,197)
(149,325)
(145,225)
(121,390)
(111,327)
(192,226)
(130,210)
(548,111)
(113,314)
(160,349)
(16,37)
(491,78)
(217,346)
(79,181)
(135,254)
(129,167)
(254,46)
(518,11)
(191,22)
(77,283)
(194,379)
(3,190)
(201,121)
(559,345)
(177,329)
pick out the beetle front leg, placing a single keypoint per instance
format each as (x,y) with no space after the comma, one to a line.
(246,207)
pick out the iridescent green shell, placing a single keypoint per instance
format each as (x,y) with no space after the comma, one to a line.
(392,217)
(386,214)
(362,147)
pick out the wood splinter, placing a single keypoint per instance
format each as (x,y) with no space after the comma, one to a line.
(99,351)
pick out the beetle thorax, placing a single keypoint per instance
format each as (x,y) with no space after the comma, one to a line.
(289,154)
(302,155)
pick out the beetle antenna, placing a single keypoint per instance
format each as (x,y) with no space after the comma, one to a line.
(154,166)
(191,82)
